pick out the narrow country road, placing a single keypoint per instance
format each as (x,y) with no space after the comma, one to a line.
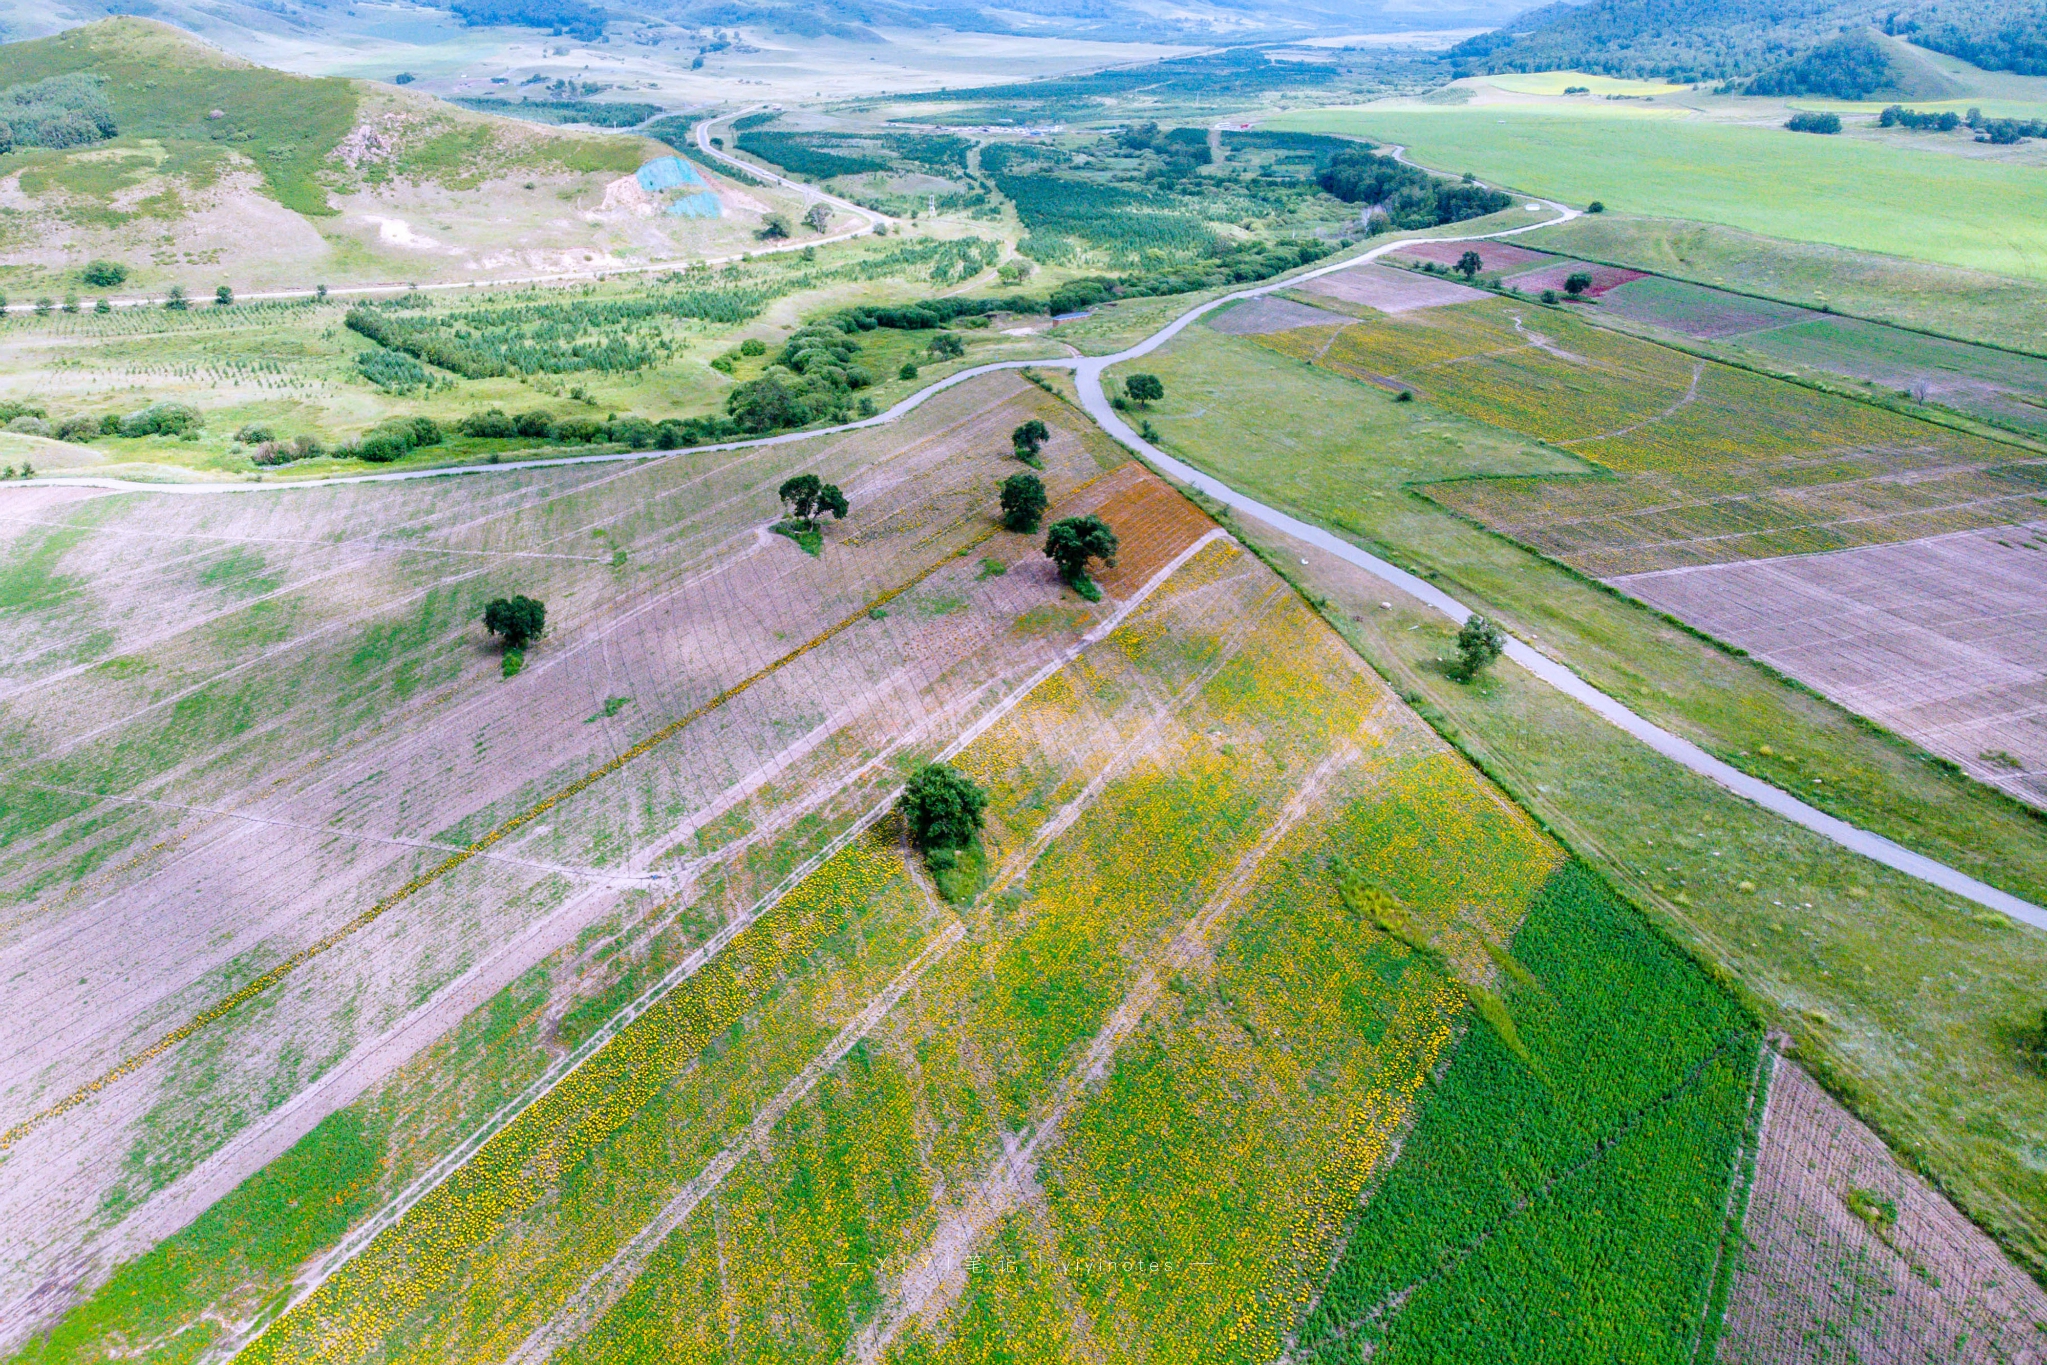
(1088,375)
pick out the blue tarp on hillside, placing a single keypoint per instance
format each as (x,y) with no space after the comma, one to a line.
(669,173)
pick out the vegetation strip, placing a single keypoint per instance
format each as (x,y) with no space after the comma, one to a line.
(270,978)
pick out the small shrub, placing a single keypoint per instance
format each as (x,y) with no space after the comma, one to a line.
(103,274)
(514,660)
(254,435)
(27,425)
(753,346)
(909,370)
(534,424)
(80,429)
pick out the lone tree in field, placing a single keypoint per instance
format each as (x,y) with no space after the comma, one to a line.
(819,218)
(1071,543)
(942,807)
(1023,502)
(1479,642)
(1144,388)
(1469,264)
(1029,439)
(774,227)
(516,620)
(947,346)
(1577,282)
(807,496)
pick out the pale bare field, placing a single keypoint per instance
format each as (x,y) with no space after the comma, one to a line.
(1387,290)
(1846,1255)
(1939,639)
(302,719)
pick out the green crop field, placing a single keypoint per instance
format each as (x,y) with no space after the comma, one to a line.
(1863,195)
(1970,305)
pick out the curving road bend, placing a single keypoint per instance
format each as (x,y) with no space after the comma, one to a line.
(1088,375)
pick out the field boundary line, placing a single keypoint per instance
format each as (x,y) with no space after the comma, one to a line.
(610,1282)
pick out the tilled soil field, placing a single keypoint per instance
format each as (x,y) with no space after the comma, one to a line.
(298,828)
(1846,1255)
(1939,639)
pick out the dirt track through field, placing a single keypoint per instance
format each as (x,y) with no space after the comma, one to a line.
(936,1277)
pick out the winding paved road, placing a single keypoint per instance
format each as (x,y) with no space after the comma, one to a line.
(1088,375)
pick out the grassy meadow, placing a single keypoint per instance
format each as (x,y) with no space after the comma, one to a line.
(1661,163)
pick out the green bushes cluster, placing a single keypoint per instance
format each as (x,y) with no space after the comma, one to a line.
(394,437)
(1808,122)
(62,111)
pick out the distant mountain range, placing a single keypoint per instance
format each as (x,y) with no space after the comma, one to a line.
(1794,46)
(1156,21)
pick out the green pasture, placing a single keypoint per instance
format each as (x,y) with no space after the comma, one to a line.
(1848,192)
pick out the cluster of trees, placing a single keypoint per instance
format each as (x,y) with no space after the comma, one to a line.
(63,111)
(1996,37)
(572,17)
(1807,121)
(1850,67)
(1405,196)
(1898,116)
(156,419)
(596,113)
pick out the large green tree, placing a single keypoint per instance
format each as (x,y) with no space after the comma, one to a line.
(1023,502)
(807,496)
(1029,439)
(942,807)
(1479,642)
(1071,543)
(516,620)
(1144,388)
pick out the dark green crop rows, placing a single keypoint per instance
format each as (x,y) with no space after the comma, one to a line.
(1576,1215)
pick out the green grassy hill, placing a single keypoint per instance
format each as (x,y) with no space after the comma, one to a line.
(201,102)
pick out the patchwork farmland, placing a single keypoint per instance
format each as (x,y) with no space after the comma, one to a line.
(606,995)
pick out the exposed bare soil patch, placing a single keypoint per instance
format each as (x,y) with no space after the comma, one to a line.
(1939,639)
(1848,1256)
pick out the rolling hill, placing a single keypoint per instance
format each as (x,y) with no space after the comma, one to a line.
(212,170)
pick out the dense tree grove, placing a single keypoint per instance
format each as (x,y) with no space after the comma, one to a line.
(1405,196)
